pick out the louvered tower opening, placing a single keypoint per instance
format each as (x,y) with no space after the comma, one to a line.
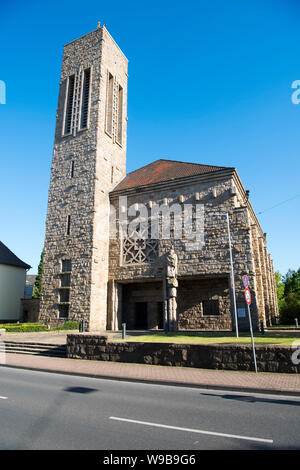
(120,114)
(109,103)
(69,106)
(85,99)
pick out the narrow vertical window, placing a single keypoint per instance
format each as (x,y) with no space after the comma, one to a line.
(69,105)
(68,230)
(72,169)
(85,99)
(112,175)
(120,114)
(109,103)
(64,291)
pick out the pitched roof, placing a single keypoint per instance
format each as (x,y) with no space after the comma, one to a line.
(164,170)
(7,257)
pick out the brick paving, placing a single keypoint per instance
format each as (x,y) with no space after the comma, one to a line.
(230,380)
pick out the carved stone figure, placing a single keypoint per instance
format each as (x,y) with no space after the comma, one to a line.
(171,264)
(171,289)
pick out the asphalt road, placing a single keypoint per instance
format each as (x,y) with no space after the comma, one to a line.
(40,410)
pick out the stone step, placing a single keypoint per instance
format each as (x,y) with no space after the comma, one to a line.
(45,349)
(34,344)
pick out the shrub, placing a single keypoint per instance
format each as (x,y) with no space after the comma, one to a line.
(23,327)
(69,325)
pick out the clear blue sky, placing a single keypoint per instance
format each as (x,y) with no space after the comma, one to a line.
(209,82)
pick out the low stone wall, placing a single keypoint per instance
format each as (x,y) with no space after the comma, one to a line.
(30,310)
(214,356)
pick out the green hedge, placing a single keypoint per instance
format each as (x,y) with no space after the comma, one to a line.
(69,325)
(23,327)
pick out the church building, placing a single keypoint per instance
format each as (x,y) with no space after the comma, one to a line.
(163,247)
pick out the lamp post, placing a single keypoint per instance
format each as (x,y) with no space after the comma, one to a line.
(232,279)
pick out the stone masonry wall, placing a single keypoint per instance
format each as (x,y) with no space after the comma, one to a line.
(191,295)
(218,196)
(81,178)
(229,357)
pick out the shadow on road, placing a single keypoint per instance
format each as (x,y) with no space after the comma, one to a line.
(254,399)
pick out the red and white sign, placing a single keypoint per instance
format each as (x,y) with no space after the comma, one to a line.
(247,296)
(245,281)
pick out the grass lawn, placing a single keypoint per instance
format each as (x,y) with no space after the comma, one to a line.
(33,327)
(283,339)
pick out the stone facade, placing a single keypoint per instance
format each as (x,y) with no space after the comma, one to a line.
(203,272)
(86,164)
(96,271)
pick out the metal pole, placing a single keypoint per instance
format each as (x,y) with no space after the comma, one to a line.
(166,306)
(252,339)
(296,321)
(167,324)
(232,280)
(123,330)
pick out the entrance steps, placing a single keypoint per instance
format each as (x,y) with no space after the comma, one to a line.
(37,349)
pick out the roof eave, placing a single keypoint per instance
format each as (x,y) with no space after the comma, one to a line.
(202,177)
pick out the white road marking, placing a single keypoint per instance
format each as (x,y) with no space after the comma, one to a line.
(198,431)
(3,398)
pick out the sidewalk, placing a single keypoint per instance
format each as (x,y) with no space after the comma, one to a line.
(263,382)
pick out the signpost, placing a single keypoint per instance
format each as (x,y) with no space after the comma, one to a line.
(245,281)
(248,302)
(248,296)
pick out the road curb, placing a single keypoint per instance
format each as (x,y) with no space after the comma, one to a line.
(161,382)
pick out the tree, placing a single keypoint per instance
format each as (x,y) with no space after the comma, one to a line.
(292,282)
(38,281)
(279,288)
(290,309)
(289,298)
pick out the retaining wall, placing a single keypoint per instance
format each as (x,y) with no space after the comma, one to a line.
(214,356)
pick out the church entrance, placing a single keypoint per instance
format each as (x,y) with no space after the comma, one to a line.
(142,305)
(160,315)
(141,316)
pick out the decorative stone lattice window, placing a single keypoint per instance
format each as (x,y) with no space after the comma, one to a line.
(138,248)
(137,251)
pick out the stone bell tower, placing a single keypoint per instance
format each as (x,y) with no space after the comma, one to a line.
(89,159)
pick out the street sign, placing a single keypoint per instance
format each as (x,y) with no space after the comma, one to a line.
(247,296)
(245,281)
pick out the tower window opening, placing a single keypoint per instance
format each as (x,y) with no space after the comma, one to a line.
(72,169)
(120,114)
(68,225)
(69,104)
(109,104)
(64,291)
(85,99)
(112,175)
